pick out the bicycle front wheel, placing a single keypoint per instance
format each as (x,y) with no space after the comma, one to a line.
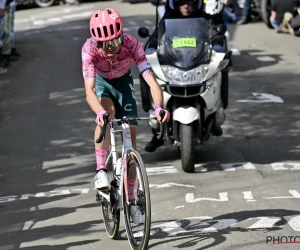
(137,211)
(110,211)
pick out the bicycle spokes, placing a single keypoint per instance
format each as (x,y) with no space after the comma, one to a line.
(137,208)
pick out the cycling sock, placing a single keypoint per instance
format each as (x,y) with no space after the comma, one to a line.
(100,158)
(130,186)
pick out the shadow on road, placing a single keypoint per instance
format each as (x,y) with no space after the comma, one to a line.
(194,236)
(47,130)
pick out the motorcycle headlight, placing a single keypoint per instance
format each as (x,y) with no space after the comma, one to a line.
(182,77)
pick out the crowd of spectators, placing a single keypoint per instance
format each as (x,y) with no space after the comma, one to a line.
(285,14)
(8,51)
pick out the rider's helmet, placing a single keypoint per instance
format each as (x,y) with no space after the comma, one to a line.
(175,4)
(213,7)
(106,26)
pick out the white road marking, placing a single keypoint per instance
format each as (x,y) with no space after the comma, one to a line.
(37,195)
(28,224)
(220,225)
(263,98)
(170,184)
(200,169)
(161,170)
(228,167)
(82,190)
(8,198)
(204,224)
(170,228)
(248,196)
(265,222)
(60,192)
(285,165)
(295,195)
(190,198)
(293,221)
(233,166)
(179,207)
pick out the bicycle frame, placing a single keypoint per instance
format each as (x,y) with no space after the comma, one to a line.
(126,146)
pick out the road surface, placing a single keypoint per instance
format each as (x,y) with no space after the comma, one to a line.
(245,189)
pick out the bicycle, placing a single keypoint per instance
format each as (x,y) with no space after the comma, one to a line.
(115,199)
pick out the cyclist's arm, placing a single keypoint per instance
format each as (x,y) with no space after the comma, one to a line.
(155,89)
(147,72)
(91,96)
(89,75)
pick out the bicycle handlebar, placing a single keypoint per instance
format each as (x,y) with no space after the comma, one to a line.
(127,119)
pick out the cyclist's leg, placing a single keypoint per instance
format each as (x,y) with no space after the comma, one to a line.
(126,106)
(101,149)
(123,92)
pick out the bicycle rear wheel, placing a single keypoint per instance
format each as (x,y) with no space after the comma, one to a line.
(138,233)
(111,214)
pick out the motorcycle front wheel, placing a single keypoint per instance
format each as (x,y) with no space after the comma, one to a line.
(187,146)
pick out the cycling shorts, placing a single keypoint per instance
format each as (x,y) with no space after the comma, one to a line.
(121,92)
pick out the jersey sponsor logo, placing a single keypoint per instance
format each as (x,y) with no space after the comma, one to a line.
(132,91)
(114,16)
(127,109)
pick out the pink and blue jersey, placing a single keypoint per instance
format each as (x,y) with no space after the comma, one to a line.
(94,61)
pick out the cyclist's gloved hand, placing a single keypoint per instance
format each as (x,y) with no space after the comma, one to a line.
(158,108)
(99,119)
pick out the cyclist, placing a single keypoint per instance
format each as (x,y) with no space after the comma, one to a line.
(106,61)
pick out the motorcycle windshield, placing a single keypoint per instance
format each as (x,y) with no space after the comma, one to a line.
(184,42)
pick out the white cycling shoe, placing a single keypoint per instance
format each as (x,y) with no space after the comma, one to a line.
(136,215)
(101,181)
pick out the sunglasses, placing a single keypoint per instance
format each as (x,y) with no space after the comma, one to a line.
(112,43)
(189,3)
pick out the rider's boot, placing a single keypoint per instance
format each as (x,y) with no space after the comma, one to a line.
(154,143)
(101,179)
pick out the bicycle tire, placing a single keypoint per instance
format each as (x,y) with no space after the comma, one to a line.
(112,231)
(147,225)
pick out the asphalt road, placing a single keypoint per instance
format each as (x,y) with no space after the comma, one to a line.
(246,185)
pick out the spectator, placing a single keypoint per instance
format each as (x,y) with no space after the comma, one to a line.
(291,24)
(279,8)
(232,11)
(246,12)
(2,34)
(14,55)
(9,52)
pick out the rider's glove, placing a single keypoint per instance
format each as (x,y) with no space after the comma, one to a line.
(100,115)
(158,108)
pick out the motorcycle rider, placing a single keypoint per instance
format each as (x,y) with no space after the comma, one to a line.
(212,11)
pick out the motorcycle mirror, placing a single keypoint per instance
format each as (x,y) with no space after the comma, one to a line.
(143,32)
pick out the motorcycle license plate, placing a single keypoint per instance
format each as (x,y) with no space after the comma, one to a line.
(184,42)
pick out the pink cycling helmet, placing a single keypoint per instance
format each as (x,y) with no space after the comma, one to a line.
(106,25)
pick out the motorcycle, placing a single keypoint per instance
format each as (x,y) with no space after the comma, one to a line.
(189,73)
